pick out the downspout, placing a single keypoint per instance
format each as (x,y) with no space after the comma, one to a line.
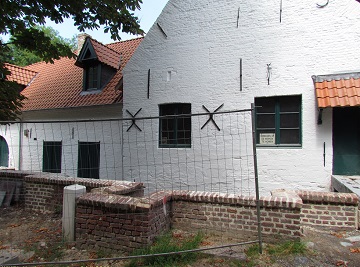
(20,144)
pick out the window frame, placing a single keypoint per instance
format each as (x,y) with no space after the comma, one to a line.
(277,128)
(57,159)
(175,118)
(87,74)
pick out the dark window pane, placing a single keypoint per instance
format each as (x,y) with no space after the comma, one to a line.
(289,120)
(289,136)
(52,157)
(89,159)
(278,120)
(175,130)
(265,105)
(289,103)
(265,121)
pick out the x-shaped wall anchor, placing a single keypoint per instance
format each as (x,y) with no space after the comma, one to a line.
(133,120)
(211,118)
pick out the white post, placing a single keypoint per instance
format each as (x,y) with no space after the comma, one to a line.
(71,192)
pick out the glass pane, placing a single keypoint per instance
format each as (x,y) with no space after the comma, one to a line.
(289,136)
(289,121)
(265,105)
(290,103)
(265,121)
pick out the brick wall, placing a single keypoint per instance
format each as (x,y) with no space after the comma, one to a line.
(329,209)
(120,222)
(44,191)
(229,214)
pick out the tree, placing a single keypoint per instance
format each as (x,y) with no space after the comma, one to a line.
(20,56)
(19,18)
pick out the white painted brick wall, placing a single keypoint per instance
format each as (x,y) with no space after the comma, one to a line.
(108,133)
(203,49)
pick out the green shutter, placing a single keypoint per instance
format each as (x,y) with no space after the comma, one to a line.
(89,160)
(52,156)
(4,153)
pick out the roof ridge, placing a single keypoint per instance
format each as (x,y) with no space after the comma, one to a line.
(104,45)
(124,41)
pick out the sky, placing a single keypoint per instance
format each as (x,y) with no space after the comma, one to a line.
(150,10)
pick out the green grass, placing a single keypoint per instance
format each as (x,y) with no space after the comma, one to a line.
(271,252)
(287,248)
(167,243)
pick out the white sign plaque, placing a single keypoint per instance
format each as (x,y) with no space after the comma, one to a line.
(267,138)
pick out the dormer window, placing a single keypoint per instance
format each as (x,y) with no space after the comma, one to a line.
(91,77)
(99,63)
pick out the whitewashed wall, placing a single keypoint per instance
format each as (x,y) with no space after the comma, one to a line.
(10,133)
(108,133)
(201,52)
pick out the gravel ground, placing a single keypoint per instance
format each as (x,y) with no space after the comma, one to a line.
(37,237)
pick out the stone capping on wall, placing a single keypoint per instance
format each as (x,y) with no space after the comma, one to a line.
(113,186)
(328,197)
(159,198)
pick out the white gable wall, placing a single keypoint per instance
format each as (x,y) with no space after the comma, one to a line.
(202,51)
(70,132)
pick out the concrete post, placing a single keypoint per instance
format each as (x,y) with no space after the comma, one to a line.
(71,192)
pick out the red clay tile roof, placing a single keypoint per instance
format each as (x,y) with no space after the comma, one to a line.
(106,55)
(60,85)
(20,75)
(338,90)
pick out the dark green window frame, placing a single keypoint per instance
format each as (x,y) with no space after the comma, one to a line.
(278,121)
(52,156)
(175,131)
(92,77)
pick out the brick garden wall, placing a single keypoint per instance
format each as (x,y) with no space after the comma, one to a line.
(116,215)
(329,209)
(120,222)
(44,191)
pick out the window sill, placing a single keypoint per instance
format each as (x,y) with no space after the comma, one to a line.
(91,92)
(299,146)
(174,146)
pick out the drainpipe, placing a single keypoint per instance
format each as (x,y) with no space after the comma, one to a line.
(20,143)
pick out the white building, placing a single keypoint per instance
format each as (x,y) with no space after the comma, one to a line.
(235,53)
(70,122)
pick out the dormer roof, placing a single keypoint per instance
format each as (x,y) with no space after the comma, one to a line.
(93,50)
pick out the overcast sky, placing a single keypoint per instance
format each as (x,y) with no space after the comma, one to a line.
(150,10)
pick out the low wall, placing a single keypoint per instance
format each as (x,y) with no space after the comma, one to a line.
(116,215)
(126,223)
(329,209)
(44,191)
(120,222)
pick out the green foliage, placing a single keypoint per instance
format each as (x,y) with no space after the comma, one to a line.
(29,43)
(166,244)
(24,56)
(10,100)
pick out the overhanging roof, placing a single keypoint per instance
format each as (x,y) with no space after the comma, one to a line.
(337,90)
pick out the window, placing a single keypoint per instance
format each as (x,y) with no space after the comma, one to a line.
(91,78)
(52,156)
(175,131)
(278,121)
(89,160)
